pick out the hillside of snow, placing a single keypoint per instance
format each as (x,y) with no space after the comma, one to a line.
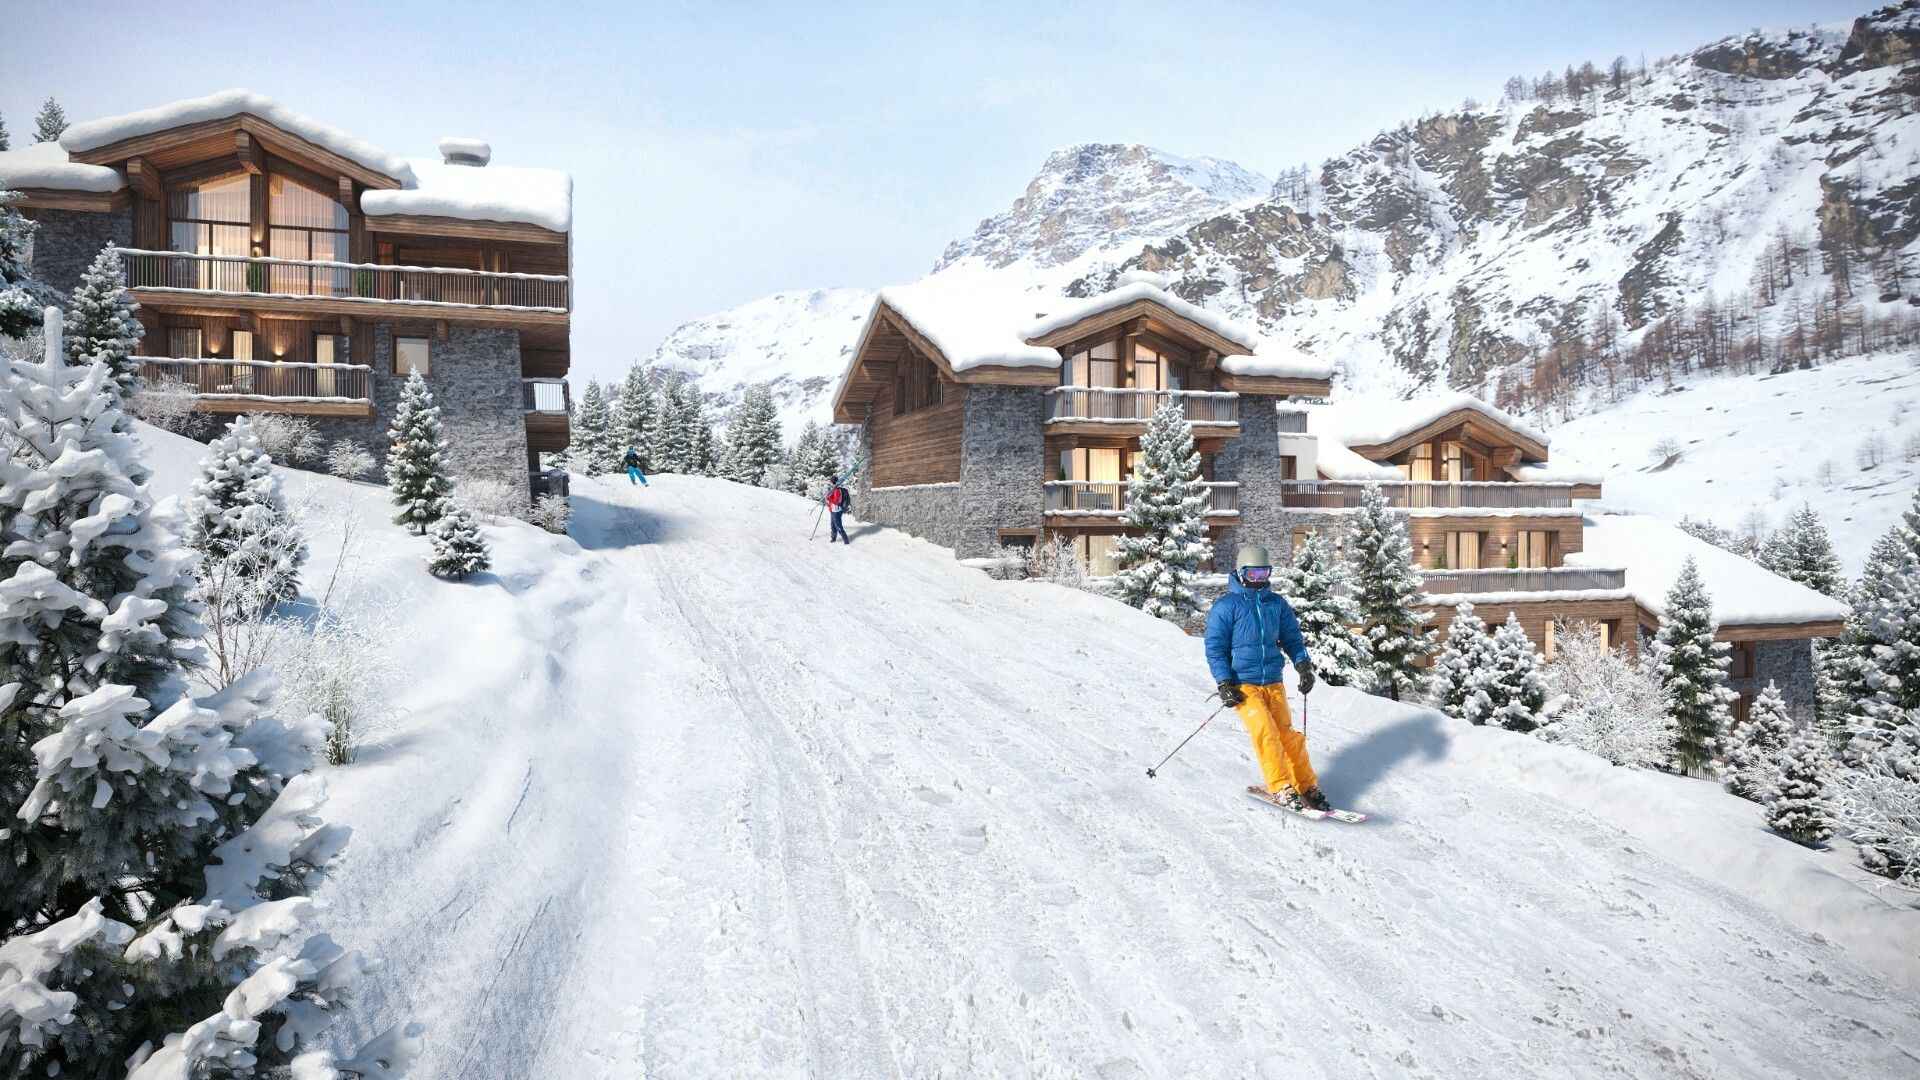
(1843,437)
(688,795)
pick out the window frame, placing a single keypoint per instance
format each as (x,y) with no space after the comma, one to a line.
(393,361)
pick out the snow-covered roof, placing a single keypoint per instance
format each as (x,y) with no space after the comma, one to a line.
(542,197)
(1744,592)
(1374,421)
(45,165)
(1559,471)
(1336,462)
(94,134)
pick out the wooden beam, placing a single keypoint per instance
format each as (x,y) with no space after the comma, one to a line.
(440,330)
(195,302)
(346,325)
(1780,631)
(54,199)
(433,225)
(1274,386)
(246,152)
(145,179)
(354,409)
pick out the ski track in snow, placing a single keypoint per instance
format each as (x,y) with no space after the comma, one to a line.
(734,803)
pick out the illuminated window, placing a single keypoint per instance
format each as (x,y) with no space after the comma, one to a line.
(1533,548)
(411,354)
(1463,550)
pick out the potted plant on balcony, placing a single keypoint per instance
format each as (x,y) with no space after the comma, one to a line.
(363,282)
(256,277)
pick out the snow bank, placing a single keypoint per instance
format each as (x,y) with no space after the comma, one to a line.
(1744,592)
(45,165)
(542,197)
(94,134)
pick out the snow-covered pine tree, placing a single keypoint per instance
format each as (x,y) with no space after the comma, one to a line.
(634,410)
(593,448)
(1802,551)
(49,122)
(1876,667)
(100,323)
(6,140)
(753,437)
(1387,591)
(1317,585)
(159,848)
(1693,668)
(1796,793)
(249,542)
(1168,505)
(417,473)
(671,428)
(1512,690)
(459,549)
(806,451)
(1754,748)
(704,454)
(22,299)
(1453,684)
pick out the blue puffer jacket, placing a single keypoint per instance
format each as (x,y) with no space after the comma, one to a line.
(1251,634)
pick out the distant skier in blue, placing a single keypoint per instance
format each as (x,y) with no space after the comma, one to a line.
(636,467)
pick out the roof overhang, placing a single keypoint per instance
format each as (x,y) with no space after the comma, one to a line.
(439,226)
(1273,385)
(1771,631)
(888,337)
(56,199)
(1477,423)
(190,143)
(1160,320)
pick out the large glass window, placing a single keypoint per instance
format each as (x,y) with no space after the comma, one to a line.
(411,354)
(1098,366)
(185,343)
(305,224)
(1533,548)
(1419,467)
(210,218)
(1100,554)
(1463,550)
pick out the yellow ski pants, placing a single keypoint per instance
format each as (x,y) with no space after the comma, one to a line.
(1282,751)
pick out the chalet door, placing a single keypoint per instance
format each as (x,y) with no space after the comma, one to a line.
(1533,548)
(242,375)
(1463,550)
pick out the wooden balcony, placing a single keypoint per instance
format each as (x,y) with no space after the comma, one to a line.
(244,386)
(220,283)
(1411,495)
(1088,499)
(1121,411)
(548,405)
(1555,579)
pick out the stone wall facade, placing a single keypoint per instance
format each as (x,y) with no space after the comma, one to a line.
(475,379)
(928,511)
(1002,466)
(65,242)
(1253,461)
(1789,666)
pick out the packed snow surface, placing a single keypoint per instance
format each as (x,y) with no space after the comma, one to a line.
(45,165)
(93,134)
(542,197)
(1653,553)
(689,795)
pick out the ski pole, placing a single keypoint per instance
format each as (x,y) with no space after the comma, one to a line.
(1155,771)
(816,520)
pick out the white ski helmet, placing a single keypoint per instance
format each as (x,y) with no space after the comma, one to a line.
(1251,555)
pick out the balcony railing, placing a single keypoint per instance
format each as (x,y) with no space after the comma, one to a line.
(269,380)
(545,396)
(1409,495)
(1527,580)
(1118,405)
(1089,499)
(370,283)
(1293,422)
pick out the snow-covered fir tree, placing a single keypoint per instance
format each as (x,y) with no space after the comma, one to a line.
(1802,551)
(1317,585)
(238,520)
(459,549)
(806,450)
(1796,792)
(22,299)
(1605,703)
(634,409)
(417,473)
(143,824)
(594,448)
(814,461)
(1753,749)
(672,441)
(6,139)
(49,122)
(1453,684)
(1693,668)
(1387,592)
(704,455)
(100,323)
(1168,505)
(1877,659)
(753,437)
(1511,688)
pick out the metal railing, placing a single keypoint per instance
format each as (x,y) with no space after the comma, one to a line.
(1293,422)
(1526,579)
(272,379)
(1123,405)
(369,282)
(1110,499)
(1411,495)
(545,396)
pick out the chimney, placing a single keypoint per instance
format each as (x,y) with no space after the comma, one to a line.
(458,151)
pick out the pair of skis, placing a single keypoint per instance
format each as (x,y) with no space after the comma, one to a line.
(1351,817)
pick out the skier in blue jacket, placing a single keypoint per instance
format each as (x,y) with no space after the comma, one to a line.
(1251,635)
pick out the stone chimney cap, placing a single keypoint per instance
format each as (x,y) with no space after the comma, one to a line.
(455,150)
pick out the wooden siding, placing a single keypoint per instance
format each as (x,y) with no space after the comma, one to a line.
(920,447)
(1535,615)
(547,433)
(1429,536)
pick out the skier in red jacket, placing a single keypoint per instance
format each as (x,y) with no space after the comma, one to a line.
(838,503)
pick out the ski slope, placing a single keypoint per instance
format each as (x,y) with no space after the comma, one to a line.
(696,797)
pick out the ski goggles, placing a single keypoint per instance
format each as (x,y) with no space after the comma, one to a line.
(1256,575)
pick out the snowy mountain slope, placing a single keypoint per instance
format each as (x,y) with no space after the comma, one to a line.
(656,806)
(1766,444)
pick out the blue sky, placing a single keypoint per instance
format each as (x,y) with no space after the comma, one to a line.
(721,152)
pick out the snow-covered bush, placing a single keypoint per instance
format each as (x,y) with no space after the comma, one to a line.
(1877,806)
(1056,559)
(1167,505)
(1604,703)
(492,498)
(1754,748)
(417,459)
(1006,563)
(169,404)
(288,439)
(552,512)
(1453,684)
(1511,689)
(1317,585)
(344,667)
(459,550)
(251,544)
(1796,793)
(350,461)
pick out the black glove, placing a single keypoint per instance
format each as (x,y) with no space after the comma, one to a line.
(1307,679)
(1231,694)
